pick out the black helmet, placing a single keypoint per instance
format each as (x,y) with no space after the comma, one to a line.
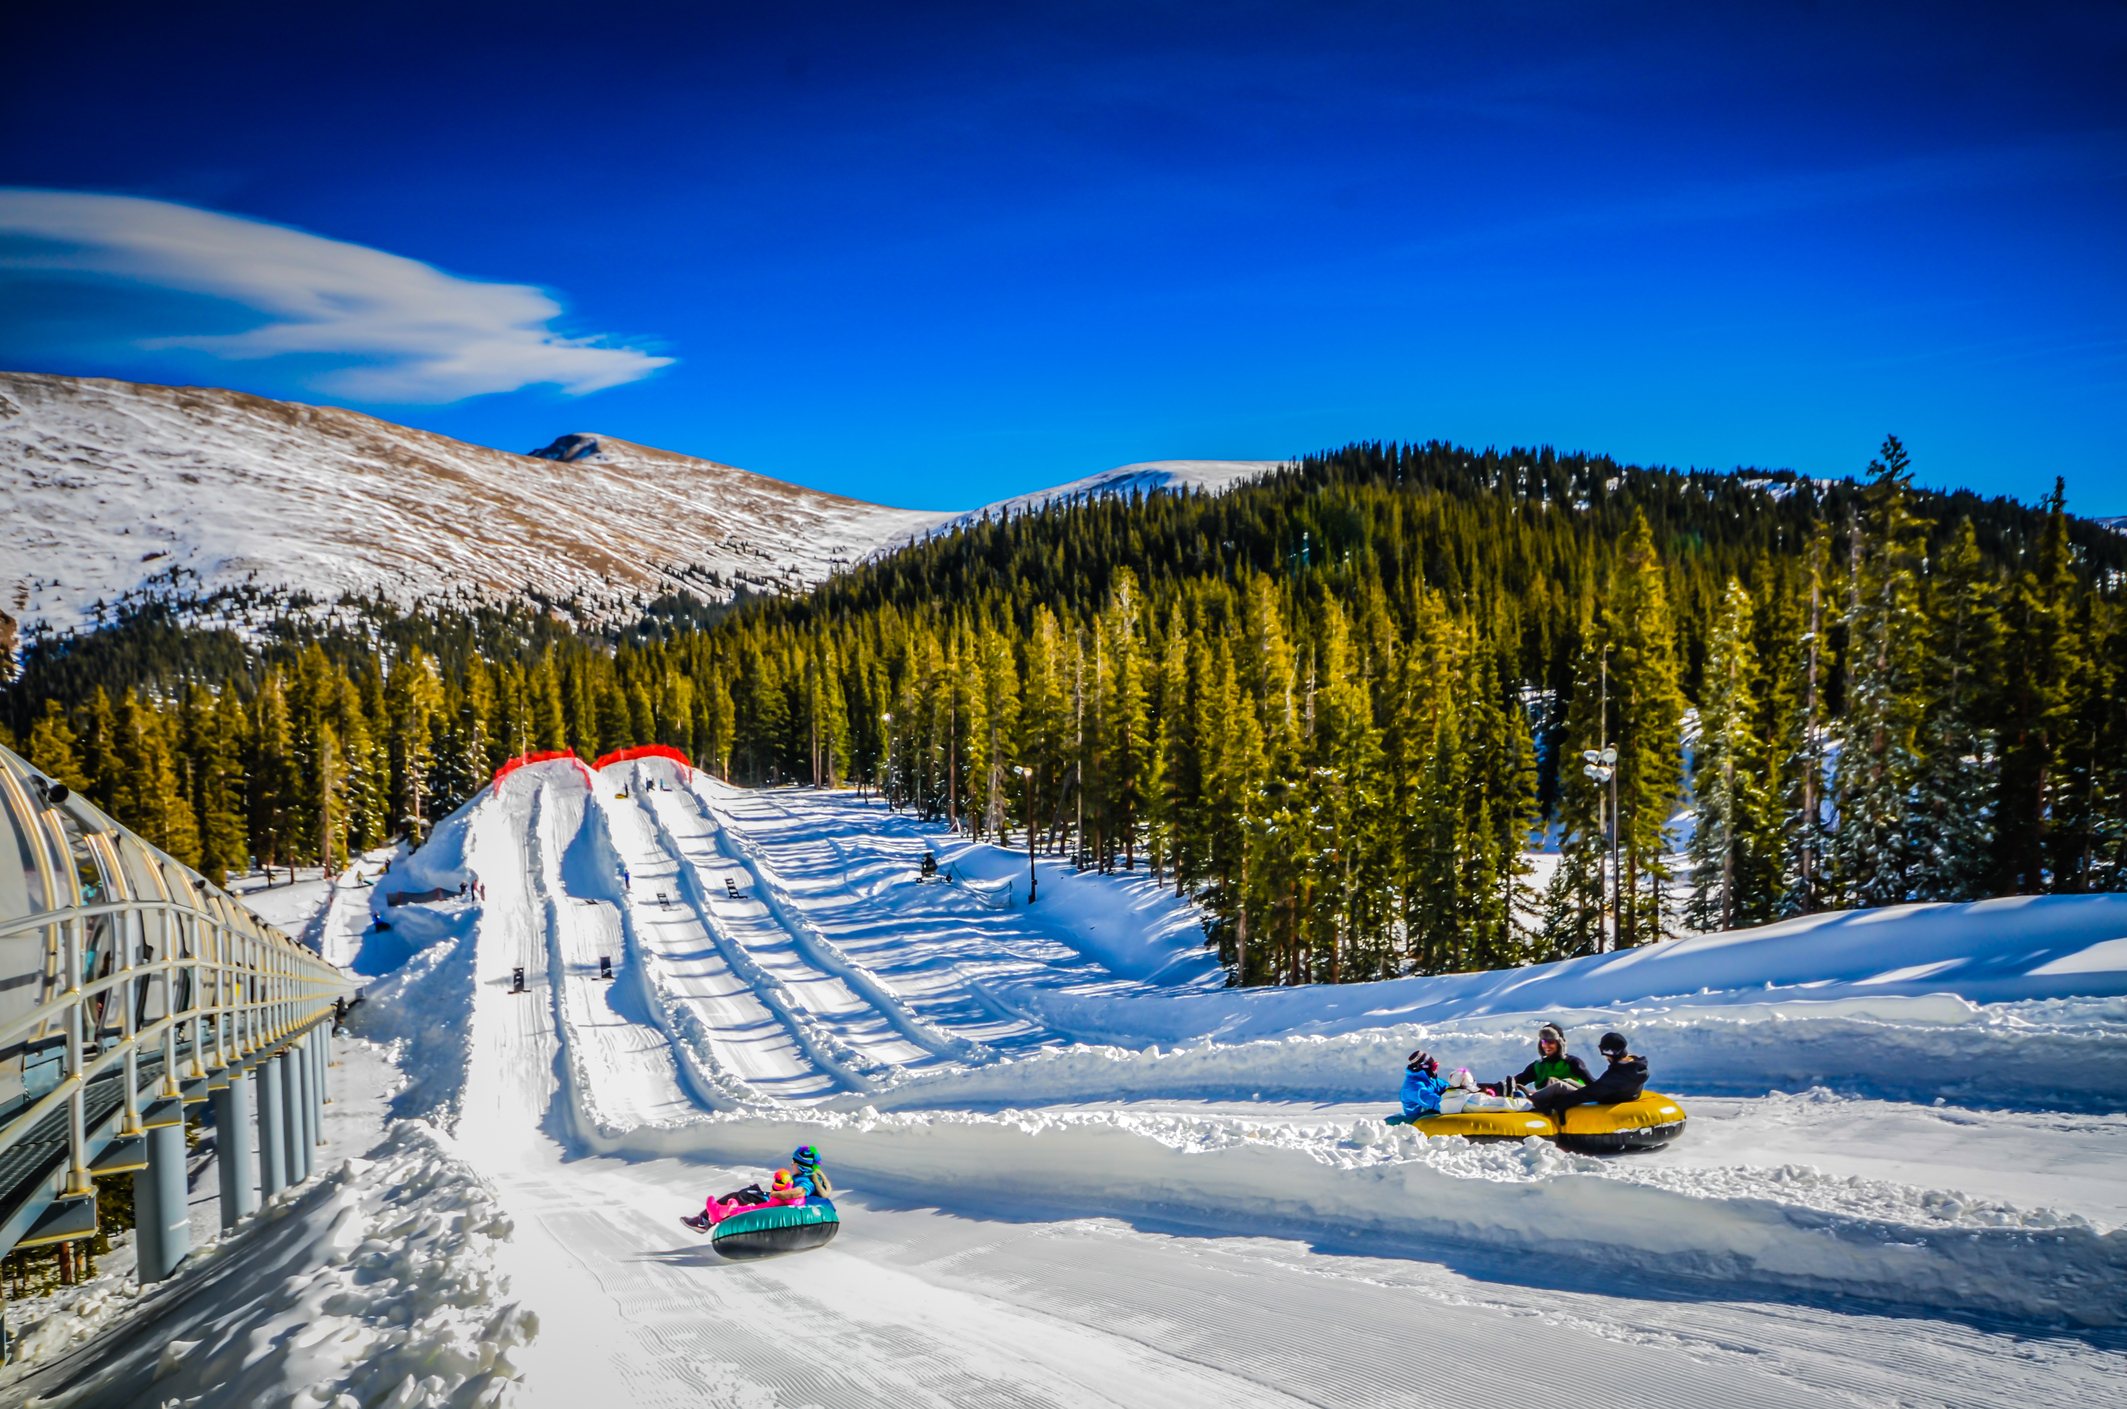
(1422,1060)
(1613,1042)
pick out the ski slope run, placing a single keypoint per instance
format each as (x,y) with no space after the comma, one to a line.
(1862,1130)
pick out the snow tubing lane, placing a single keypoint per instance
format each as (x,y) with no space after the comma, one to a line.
(773,1230)
(1644,1123)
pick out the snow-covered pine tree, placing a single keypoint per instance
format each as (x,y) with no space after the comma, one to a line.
(1799,736)
(1878,735)
(1953,817)
(1577,897)
(1647,712)
(1501,809)
(1729,842)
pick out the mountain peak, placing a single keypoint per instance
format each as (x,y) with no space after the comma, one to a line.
(571,448)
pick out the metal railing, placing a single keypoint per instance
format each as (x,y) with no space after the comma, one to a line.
(120,968)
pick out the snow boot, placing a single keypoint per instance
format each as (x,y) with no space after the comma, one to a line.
(698,1222)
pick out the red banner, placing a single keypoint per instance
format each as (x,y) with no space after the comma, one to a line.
(522,759)
(649,751)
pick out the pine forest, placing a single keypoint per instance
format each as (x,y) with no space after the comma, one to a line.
(1340,707)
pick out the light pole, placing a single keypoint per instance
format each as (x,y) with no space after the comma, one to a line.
(1602,767)
(1028,774)
(888,788)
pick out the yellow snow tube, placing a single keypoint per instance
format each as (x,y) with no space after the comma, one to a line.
(1648,1121)
(1488,1125)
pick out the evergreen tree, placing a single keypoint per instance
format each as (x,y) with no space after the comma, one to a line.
(1733,873)
(52,749)
(2035,706)
(1800,734)
(1649,710)
(218,772)
(1872,856)
(412,695)
(1951,855)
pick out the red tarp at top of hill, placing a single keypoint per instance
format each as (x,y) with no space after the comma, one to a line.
(648,751)
(522,759)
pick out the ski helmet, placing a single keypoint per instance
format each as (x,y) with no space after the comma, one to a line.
(1422,1060)
(805,1157)
(1613,1042)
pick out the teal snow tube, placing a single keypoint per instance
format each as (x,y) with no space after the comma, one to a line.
(773,1230)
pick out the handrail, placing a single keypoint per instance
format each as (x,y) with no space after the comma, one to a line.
(53,1008)
(223,984)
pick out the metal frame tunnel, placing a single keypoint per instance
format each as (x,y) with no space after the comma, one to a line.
(130,990)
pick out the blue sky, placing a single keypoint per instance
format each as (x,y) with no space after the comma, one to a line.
(936,255)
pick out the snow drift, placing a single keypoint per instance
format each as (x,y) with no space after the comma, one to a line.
(380,1288)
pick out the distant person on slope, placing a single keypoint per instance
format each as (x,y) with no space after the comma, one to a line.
(1553,1066)
(1622,1080)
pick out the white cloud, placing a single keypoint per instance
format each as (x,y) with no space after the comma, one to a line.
(422,335)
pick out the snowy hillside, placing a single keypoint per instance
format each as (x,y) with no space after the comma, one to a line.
(109,488)
(109,485)
(1204,476)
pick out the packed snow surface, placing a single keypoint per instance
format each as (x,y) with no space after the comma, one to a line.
(375,1284)
(1074,1168)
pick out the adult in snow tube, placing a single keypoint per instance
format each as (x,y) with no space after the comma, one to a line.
(1622,1080)
(1553,1065)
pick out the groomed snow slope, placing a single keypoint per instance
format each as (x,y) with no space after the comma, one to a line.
(1055,1130)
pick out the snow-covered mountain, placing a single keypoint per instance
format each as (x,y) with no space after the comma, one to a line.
(1209,476)
(107,487)
(113,489)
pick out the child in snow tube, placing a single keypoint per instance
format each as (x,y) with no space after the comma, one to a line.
(781,1192)
(1423,1087)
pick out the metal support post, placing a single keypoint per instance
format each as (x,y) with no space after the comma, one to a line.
(296,1148)
(272,1130)
(232,1139)
(162,1221)
(312,1126)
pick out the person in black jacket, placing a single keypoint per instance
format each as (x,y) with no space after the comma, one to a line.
(1622,1080)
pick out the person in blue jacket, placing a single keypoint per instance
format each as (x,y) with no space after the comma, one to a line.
(1422,1087)
(805,1165)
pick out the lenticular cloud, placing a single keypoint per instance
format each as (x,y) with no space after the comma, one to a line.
(419,333)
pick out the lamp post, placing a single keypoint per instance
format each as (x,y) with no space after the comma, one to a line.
(1602,767)
(888,781)
(1028,774)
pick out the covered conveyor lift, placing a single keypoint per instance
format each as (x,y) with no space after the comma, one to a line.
(131,988)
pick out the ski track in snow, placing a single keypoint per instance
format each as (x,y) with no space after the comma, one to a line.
(1078,1172)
